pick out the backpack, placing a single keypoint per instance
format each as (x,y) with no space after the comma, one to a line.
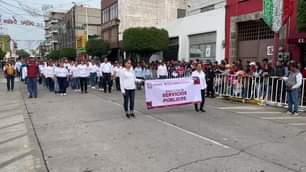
(10,70)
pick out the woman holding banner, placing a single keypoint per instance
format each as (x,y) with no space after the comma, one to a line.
(199,74)
(128,86)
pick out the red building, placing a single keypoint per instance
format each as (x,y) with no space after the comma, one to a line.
(248,38)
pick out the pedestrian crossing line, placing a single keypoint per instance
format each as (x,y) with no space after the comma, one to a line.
(283,117)
(297,124)
(259,112)
(239,108)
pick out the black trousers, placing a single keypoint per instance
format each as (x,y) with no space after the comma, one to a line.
(50,84)
(117,83)
(107,84)
(83,82)
(210,89)
(10,83)
(129,101)
(62,83)
(196,106)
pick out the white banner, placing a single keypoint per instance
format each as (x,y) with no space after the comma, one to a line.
(172,92)
(277,15)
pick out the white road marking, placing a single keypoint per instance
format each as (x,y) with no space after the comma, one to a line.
(190,133)
(259,112)
(179,128)
(298,124)
(239,108)
(283,117)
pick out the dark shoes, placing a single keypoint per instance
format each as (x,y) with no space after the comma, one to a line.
(130,115)
(201,110)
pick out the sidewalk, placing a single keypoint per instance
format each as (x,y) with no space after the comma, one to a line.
(19,151)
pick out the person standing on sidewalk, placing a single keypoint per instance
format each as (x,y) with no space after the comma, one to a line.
(62,74)
(116,72)
(10,73)
(293,84)
(49,75)
(199,74)
(162,71)
(32,74)
(107,69)
(83,71)
(128,86)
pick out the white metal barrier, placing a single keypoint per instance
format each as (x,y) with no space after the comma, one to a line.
(271,90)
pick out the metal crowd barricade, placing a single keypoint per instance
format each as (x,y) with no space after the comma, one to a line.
(269,90)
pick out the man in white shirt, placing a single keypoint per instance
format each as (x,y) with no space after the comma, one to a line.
(107,70)
(200,75)
(116,70)
(162,71)
(293,84)
(83,71)
(93,75)
(49,74)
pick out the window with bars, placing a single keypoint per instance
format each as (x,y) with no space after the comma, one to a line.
(254,30)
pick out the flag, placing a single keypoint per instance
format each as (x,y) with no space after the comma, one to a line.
(288,10)
(277,14)
(268,12)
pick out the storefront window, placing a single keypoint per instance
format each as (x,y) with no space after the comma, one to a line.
(203,46)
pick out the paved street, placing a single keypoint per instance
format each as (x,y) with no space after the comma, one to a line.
(89,133)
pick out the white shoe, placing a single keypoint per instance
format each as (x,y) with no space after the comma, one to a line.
(65,94)
(295,114)
(289,113)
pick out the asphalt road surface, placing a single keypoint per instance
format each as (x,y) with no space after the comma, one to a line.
(89,133)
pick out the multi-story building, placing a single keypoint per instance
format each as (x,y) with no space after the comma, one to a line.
(119,15)
(52,24)
(79,24)
(199,35)
(249,38)
(5,43)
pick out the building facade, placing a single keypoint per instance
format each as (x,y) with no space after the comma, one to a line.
(119,15)
(248,37)
(5,43)
(199,35)
(52,25)
(78,25)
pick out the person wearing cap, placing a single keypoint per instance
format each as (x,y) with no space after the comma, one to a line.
(293,85)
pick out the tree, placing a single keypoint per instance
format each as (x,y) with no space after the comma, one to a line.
(69,53)
(97,47)
(54,55)
(145,41)
(22,53)
(301,16)
(2,54)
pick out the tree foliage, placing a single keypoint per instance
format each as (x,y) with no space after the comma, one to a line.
(69,53)
(301,16)
(97,47)
(22,53)
(54,55)
(2,54)
(145,40)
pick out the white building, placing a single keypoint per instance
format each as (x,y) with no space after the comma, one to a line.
(201,34)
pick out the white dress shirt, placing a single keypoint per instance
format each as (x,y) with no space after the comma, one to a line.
(93,68)
(83,71)
(201,76)
(61,72)
(127,80)
(74,71)
(49,72)
(162,70)
(106,67)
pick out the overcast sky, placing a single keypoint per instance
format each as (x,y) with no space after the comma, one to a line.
(29,37)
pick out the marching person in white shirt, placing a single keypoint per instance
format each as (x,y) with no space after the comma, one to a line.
(128,86)
(83,70)
(62,74)
(201,76)
(162,71)
(107,70)
(116,71)
(93,74)
(75,82)
(49,74)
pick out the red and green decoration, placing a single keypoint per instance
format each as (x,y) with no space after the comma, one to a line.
(301,16)
(277,12)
